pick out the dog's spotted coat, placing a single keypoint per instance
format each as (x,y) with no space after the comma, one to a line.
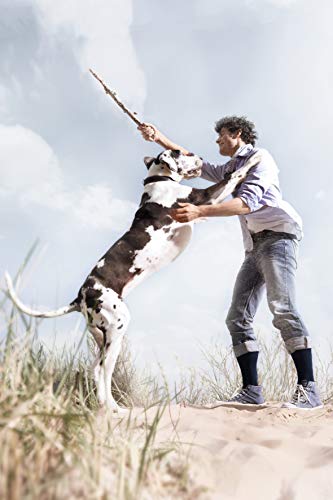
(154,240)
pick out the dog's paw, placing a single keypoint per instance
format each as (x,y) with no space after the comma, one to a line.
(122,412)
(114,410)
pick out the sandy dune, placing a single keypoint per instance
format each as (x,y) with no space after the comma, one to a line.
(269,454)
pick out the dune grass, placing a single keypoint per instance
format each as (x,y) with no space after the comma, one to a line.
(221,377)
(56,443)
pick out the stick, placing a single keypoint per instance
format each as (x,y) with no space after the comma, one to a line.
(115,98)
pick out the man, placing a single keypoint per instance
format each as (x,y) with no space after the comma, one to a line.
(271,230)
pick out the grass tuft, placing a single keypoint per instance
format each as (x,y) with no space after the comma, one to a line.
(55,442)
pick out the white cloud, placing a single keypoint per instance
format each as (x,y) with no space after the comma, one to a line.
(102,29)
(30,173)
(96,207)
(217,11)
(275,3)
(28,166)
(4,97)
(320,195)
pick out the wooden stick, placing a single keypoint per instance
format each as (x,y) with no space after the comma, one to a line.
(115,98)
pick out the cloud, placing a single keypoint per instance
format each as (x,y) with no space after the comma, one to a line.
(280,4)
(4,97)
(31,174)
(102,31)
(240,13)
(220,6)
(320,195)
(96,207)
(28,166)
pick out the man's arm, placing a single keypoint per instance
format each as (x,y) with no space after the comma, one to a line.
(231,207)
(249,194)
(152,134)
(258,181)
(209,172)
(189,212)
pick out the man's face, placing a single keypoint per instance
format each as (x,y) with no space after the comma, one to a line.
(228,141)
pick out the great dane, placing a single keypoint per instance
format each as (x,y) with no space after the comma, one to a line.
(154,240)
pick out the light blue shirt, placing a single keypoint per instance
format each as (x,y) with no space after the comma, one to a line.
(261,193)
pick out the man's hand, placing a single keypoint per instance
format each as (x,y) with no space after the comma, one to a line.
(152,134)
(149,132)
(186,213)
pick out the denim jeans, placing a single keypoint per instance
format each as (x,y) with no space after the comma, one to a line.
(271,265)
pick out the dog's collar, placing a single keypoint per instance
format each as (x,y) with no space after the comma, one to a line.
(157,178)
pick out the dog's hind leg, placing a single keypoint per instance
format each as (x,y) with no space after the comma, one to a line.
(111,356)
(96,367)
(111,323)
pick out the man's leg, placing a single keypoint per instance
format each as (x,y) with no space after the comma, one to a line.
(277,260)
(248,290)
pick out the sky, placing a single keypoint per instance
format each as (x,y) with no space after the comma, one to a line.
(71,163)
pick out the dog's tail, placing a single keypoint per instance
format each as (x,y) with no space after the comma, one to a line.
(31,312)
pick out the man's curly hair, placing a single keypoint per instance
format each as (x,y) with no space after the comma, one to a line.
(235,123)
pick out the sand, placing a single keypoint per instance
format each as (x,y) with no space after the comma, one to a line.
(268,454)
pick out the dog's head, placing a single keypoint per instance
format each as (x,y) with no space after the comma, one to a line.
(174,164)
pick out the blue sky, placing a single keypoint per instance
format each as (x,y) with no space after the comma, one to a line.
(72,164)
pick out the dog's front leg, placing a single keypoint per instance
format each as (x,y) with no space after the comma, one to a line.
(218,192)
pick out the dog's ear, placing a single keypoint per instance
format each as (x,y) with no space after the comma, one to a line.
(170,158)
(187,166)
(175,153)
(149,160)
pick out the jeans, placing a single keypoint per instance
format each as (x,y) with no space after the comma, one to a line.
(272,265)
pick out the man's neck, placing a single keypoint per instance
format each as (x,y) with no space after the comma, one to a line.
(239,146)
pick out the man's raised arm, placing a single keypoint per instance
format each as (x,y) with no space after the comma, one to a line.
(151,133)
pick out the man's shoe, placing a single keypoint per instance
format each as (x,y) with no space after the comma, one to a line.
(306,397)
(250,396)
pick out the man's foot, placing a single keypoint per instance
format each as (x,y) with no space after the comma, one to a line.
(306,397)
(250,396)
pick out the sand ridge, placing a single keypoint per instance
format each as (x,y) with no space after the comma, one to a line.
(271,453)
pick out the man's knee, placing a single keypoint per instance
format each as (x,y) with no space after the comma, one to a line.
(237,321)
(232,320)
(289,322)
(286,319)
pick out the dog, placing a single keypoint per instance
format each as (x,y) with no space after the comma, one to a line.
(154,240)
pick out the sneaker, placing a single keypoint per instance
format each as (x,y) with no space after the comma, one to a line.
(306,397)
(250,396)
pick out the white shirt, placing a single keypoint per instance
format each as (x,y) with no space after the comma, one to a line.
(261,193)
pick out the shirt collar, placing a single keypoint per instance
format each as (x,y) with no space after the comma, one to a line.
(243,150)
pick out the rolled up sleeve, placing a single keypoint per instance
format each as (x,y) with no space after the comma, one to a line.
(214,173)
(258,181)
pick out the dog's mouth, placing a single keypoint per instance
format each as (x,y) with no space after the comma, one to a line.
(190,174)
(181,165)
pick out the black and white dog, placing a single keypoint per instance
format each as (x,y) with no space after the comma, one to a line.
(154,240)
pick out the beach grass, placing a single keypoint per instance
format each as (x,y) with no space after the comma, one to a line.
(56,442)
